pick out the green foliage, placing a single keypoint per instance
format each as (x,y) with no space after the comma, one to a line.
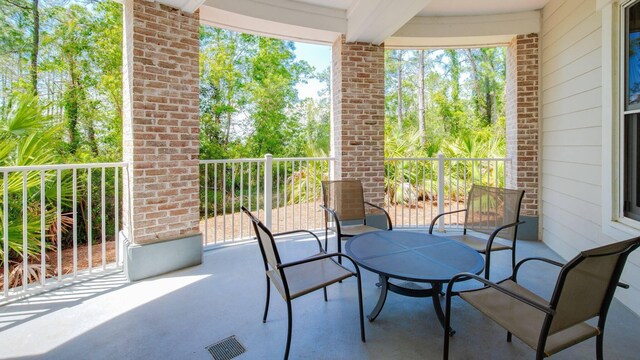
(26,138)
(248,101)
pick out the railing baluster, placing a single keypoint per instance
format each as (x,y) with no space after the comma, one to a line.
(315,196)
(278,197)
(43,237)
(89,227)
(441,191)
(25,256)
(224,202)
(103,222)
(241,197)
(258,189)
(215,203)
(5,232)
(206,203)
(233,201)
(116,214)
(268,189)
(285,196)
(59,222)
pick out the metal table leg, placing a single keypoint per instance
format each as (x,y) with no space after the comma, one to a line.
(384,281)
(437,306)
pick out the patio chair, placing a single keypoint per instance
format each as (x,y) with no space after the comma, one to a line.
(491,211)
(345,212)
(296,278)
(583,290)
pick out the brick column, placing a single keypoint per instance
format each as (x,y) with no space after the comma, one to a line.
(160,135)
(522,113)
(358,115)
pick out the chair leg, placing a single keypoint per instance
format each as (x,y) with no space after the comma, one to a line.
(289,323)
(509,336)
(447,327)
(487,265)
(599,346)
(360,309)
(326,240)
(339,247)
(324,289)
(266,305)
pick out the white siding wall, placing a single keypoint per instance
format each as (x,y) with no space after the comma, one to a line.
(571,116)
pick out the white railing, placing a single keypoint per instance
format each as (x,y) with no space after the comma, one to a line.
(51,217)
(415,186)
(286,192)
(283,192)
(49,212)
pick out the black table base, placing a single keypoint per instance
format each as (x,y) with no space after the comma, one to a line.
(413,291)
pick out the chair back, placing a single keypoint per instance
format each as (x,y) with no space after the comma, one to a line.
(267,244)
(490,207)
(345,197)
(587,283)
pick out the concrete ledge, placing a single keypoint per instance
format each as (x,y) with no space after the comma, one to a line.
(147,260)
(528,230)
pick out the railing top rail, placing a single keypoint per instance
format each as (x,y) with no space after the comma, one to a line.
(446,158)
(6,169)
(304,159)
(227,161)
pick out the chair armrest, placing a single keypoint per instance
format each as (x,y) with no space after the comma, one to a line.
(321,257)
(488,284)
(302,231)
(389,225)
(433,222)
(497,230)
(514,276)
(333,214)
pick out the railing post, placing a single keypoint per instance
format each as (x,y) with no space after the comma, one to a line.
(268,168)
(441,191)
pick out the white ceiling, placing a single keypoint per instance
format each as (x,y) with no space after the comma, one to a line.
(401,23)
(451,7)
(479,7)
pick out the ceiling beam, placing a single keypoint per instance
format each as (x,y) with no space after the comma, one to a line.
(373,21)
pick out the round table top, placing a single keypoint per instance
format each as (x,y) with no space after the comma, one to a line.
(413,256)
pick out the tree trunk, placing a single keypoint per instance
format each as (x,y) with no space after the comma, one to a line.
(72,106)
(36,47)
(476,82)
(399,108)
(421,110)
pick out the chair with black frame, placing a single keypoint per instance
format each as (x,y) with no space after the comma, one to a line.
(296,278)
(490,211)
(344,208)
(584,289)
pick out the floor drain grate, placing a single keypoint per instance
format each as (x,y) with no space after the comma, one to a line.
(226,349)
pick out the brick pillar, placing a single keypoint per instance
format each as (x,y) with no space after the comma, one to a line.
(522,113)
(358,115)
(160,133)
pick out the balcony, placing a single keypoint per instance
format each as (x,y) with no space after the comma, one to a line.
(177,315)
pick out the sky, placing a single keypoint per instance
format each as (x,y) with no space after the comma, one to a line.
(318,56)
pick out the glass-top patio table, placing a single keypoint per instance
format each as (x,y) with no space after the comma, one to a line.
(416,257)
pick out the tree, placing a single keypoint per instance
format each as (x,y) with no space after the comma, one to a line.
(423,134)
(274,73)
(399,59)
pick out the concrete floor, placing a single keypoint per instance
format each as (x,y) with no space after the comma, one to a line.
(175,316)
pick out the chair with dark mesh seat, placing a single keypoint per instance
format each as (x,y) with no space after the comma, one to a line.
(490,211)
(583,290)
(344,208)
(296,278)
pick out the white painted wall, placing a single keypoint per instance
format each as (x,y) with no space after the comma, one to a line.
(572,119)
